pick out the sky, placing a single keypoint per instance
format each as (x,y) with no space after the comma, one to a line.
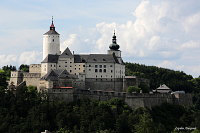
(163,33)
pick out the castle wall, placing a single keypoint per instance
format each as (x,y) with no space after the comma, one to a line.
(104,70)
(104,84)
(133,100)
(31,78)
(35,68)
(16,77)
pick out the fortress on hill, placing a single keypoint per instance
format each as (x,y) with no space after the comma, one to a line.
(74,76)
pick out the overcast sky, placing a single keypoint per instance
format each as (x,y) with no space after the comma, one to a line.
(163,33)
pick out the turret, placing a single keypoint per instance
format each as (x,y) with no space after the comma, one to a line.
(51,42)
(114,47)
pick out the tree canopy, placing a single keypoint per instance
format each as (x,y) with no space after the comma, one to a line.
(176,80)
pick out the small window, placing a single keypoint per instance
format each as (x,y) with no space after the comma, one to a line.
(96,66)
(89,69)
(100,66)
(65,66)
(83,70)
(70,71)
(94,59)
(70,66)
(65,62)
(75,68)
(100,70)
(51,65)
(89,65)
(104,66)
(110,65)
(53,40)
(70,62)
(83,65)
(79,69)
(96,76)
(104,70)
(96,70)
(104,59)
(111,71)
(59,65)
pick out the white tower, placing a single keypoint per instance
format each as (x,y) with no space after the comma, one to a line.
(51,42)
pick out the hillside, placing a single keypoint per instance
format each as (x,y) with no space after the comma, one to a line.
(176,80)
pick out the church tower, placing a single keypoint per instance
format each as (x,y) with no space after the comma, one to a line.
(51,42)
(114,47)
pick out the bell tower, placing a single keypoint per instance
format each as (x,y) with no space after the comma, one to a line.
(51,42)
(114,47)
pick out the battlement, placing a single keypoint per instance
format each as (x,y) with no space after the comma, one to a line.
(31,75)
(134,100)
(35,68)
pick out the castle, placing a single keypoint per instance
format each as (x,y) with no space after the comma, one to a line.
(69,70)
(70,76)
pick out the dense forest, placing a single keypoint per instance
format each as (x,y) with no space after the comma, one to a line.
(28,111)
(176,80)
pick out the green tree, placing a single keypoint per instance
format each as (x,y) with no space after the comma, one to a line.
(145,124)
(24,68)
(133,89)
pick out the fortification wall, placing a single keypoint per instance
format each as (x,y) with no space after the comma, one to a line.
(31,78)
(104,84)
(35,68)
(61,94)
(133,100)
(16,77)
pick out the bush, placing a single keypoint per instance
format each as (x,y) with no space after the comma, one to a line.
(133,89)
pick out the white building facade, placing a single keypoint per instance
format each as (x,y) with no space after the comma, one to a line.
(89,71)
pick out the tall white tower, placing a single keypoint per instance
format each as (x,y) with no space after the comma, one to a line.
(51,42)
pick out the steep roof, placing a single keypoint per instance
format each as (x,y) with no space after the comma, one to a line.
(51,59)
(51,32)
(57,74)
(163,87)
(80,58)
(51,75)
(107,58)
(91,58)
(66,53)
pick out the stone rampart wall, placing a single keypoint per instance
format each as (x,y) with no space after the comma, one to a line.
(104,84)
(133,100)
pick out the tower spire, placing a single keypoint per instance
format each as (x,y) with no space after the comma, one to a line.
(114,40)
(52,27)
(114,45)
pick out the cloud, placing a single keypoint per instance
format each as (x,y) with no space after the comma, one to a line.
(29,57)
(167,36)
(165,33)
(7,59)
